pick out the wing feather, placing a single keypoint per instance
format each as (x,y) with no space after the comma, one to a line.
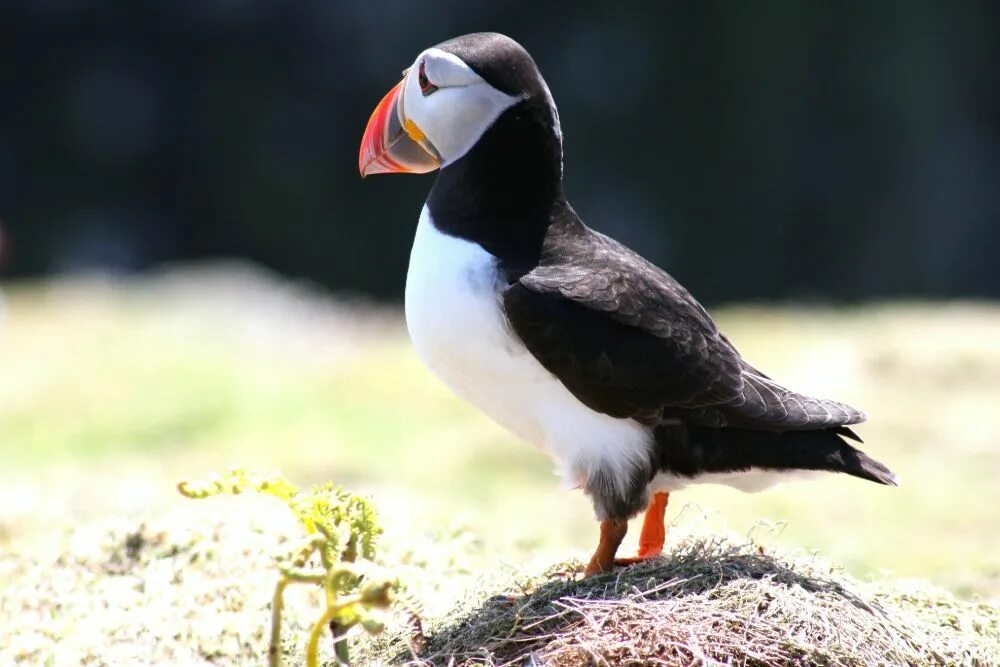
(629,341)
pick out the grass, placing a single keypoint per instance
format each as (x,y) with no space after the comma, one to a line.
(193,587)
(111,391)
(712,601)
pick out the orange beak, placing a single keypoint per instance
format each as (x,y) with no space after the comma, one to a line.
(392,144)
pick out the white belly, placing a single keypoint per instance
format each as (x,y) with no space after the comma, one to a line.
(455,319)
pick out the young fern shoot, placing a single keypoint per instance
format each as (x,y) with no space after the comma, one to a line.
(341,533)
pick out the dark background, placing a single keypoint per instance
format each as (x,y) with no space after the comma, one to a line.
(781,150)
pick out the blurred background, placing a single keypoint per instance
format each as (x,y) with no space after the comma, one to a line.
(791,150)
(194,275)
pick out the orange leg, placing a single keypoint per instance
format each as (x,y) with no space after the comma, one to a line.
(653,533)
(612,534)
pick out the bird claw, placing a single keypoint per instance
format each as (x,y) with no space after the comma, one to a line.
(641,557)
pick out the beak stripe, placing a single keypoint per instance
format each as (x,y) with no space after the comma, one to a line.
(392,145)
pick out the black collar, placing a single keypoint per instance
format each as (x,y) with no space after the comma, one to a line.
(506,191)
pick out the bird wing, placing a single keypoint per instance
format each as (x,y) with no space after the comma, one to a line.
(629,341)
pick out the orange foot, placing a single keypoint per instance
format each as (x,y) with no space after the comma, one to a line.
(634,560)
(653,533)
(613,532)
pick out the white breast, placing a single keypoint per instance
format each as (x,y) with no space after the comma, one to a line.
(455,319)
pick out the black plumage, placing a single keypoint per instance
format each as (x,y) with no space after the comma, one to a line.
(628,340)
(620,333)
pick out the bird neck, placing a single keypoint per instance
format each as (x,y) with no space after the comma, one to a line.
(504,193)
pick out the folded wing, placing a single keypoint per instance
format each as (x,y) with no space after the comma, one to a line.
(629,341)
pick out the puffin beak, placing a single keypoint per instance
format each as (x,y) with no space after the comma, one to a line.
(394,144)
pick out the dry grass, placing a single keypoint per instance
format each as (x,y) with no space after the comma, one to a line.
(184,588)
(712,601)
(111,391)
(193,586)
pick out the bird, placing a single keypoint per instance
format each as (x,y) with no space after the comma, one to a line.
(562,335)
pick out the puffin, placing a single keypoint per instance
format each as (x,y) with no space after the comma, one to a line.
(563,336)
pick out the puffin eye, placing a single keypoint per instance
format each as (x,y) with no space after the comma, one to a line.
(426,87)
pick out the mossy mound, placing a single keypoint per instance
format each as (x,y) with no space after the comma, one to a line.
(711,601)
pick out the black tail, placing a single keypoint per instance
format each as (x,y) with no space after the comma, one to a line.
(694,450)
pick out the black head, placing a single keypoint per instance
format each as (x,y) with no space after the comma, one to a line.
(500,61)
(477,107)
(450,97)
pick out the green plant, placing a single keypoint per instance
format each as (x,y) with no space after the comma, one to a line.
(342,532)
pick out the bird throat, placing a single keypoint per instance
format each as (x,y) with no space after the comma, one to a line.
(504,192)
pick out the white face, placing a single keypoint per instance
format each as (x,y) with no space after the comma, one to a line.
(458,112)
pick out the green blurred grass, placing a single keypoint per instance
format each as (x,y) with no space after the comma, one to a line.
(111,391)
